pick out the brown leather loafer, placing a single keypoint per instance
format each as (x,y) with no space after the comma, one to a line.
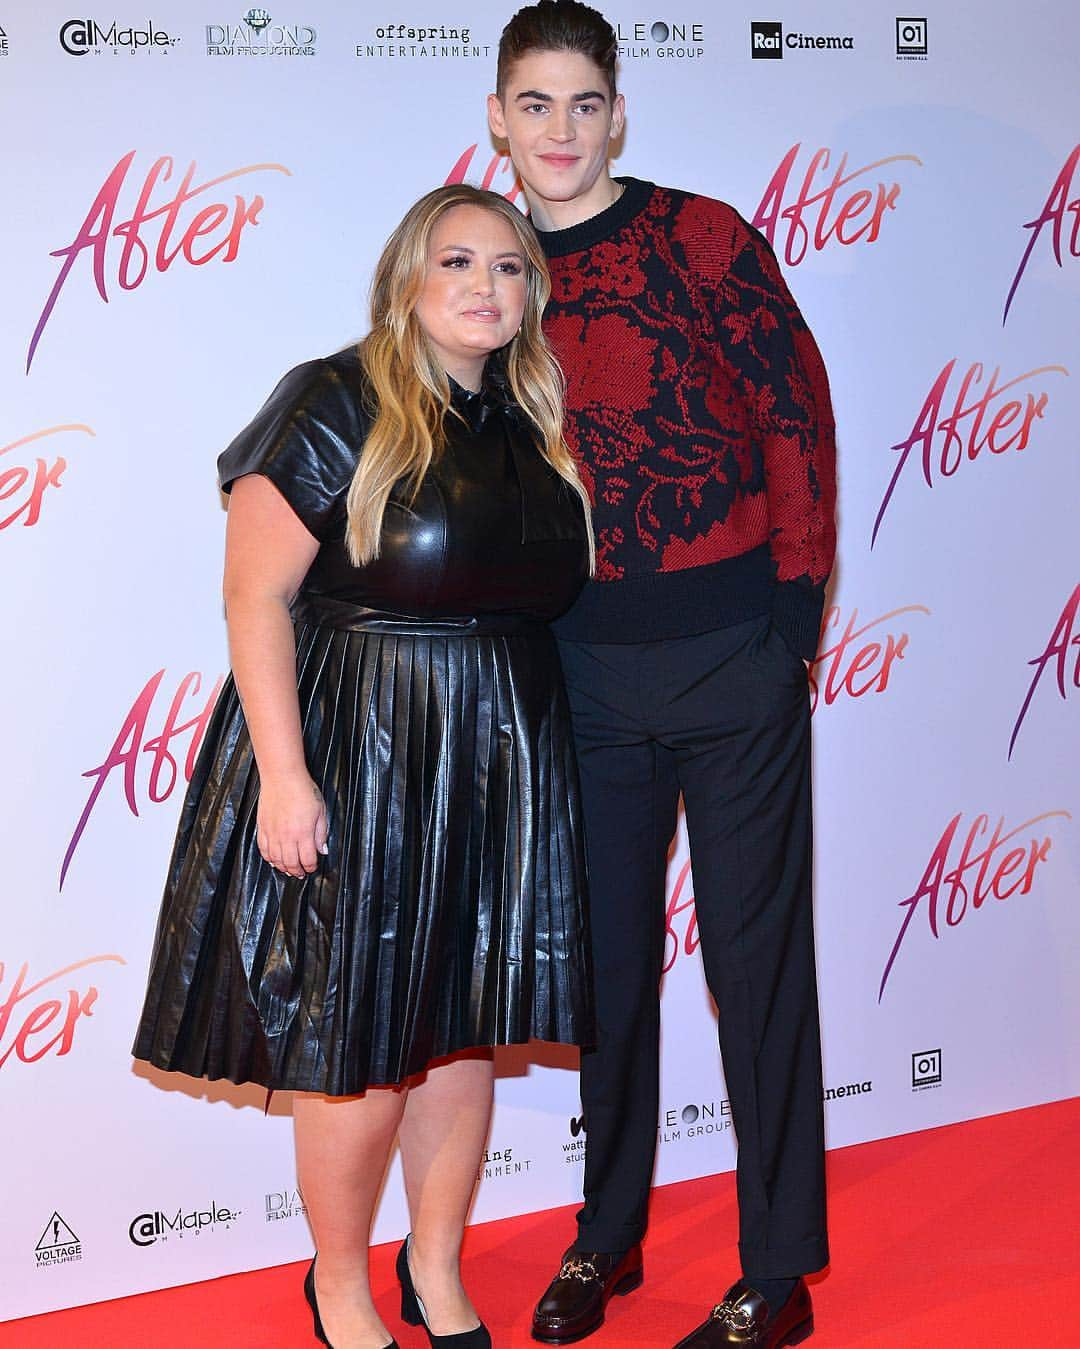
(744,1319)
(574,1303)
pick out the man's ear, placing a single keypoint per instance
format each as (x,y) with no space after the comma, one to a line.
(496,120)
(618,116)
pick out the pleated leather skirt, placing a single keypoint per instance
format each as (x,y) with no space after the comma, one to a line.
(450,911)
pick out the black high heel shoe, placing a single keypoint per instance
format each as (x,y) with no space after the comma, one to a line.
(312,1301)
(412,1312)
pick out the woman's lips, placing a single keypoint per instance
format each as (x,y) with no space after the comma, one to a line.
(485,315)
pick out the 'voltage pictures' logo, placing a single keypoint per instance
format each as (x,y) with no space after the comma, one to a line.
(58,1244)
(149,1228)
(258,35)
(86,37)
(911,40)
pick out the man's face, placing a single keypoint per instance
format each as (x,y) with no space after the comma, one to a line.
(558,115)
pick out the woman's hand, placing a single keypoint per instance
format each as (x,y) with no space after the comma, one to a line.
(292,824)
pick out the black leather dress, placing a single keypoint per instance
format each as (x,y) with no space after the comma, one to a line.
(450,909)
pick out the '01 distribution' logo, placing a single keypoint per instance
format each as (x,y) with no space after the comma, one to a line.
(87,37)
(911,39)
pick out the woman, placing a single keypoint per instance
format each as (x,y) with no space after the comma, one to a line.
(379,870)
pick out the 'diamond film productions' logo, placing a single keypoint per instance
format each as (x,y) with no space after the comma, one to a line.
(58,1244)
(259,35)
(766,41)
(925,1069)
(911,40)
(282,1204)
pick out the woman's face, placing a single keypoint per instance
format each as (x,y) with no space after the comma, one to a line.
(474,290)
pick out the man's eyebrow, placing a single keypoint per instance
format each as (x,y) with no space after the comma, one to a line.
(538,97)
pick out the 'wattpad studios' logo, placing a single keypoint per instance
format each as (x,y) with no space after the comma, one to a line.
(911,44)
(282,1204)
(926,1069)
(58,1244)
(259,35)
(574,1147)
(767,41)
(437,42)
(87,37)
(149,1228)
(661,39)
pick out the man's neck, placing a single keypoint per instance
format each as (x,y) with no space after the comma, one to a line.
(560,215)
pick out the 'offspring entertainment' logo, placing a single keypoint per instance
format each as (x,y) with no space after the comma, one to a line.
(86,37)
(911,40)
(258,35)
(444,41)
(58,1244)
(926,1069)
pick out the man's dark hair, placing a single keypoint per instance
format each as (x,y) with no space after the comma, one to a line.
(558,26)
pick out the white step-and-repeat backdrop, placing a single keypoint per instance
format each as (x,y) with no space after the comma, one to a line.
(193,198)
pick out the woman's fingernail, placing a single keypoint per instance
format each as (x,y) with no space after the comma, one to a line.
(324,849)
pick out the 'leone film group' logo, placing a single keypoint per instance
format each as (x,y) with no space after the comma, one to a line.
(661,40)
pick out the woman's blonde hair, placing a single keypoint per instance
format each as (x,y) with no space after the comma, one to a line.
(409,390)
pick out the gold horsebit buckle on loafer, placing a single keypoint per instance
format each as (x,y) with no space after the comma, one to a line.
(729,1314)
(576,1268)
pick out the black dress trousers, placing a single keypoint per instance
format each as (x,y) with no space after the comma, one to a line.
(724,719)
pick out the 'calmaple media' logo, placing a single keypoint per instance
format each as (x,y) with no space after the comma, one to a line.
(58,1244)
(87,37)
(149,1228)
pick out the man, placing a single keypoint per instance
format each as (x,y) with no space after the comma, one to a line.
(699,408)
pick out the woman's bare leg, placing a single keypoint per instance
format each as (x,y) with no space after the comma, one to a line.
(442,1137)
(342,1147)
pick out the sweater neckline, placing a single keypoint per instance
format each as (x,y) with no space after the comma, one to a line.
(633,199)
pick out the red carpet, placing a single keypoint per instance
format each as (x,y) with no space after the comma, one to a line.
(964,1236)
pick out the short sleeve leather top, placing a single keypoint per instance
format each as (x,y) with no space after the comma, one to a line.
(493,529)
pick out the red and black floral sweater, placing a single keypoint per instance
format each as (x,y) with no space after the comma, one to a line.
(698,406)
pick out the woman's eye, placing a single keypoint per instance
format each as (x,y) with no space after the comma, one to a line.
(510,268)
(455,262)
